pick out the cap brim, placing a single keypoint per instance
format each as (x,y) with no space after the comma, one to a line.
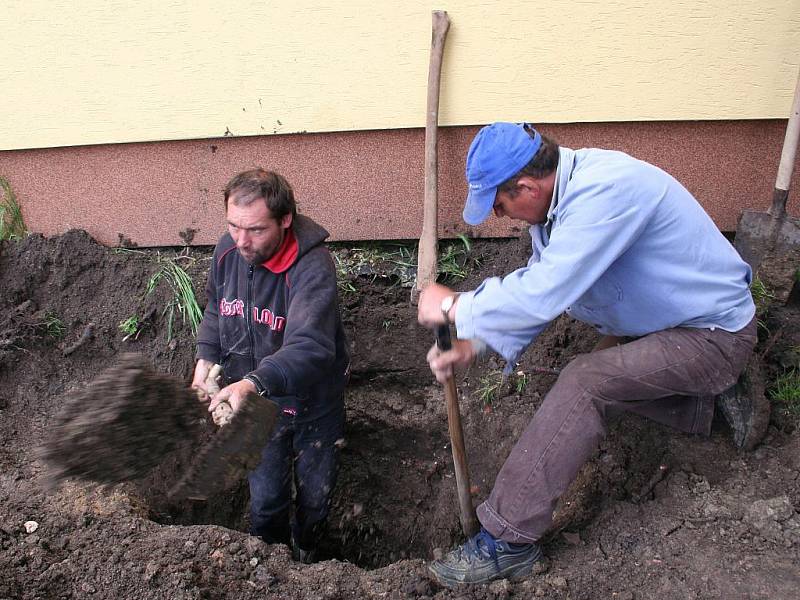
(479,205)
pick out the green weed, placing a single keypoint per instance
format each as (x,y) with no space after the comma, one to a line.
(785,393)
(183,300)
(489,387)
(343,275)
(496,385)
(12,225)
(130,327)
(398,260)
(53,326)
(454,261)
(521,381)
(373,261)
(763,297)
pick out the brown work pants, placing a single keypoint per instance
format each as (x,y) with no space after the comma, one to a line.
(669,376)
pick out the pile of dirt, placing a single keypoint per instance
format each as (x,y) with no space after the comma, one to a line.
(654,514)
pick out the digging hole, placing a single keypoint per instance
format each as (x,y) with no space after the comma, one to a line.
(395,497)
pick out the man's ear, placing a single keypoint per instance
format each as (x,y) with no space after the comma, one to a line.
(286,221)
(534,185)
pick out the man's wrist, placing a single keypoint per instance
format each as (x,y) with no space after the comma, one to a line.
(261,389)
(478,347)
(447,307)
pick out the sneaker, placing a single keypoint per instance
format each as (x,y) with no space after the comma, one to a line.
(304,556)
(485,558)
(746,408)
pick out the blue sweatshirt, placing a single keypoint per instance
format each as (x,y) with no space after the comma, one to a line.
(279,321)
(626,248)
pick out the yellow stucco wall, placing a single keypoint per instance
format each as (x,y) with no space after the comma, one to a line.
(100,71)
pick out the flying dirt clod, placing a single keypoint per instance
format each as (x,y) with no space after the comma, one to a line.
(130,418)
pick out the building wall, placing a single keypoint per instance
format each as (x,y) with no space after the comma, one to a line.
(113,71)
(127,118)
(360,185)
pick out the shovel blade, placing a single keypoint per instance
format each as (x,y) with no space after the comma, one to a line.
(771,246)
(232,453)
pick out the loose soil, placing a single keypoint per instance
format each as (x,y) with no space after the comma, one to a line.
(654,514)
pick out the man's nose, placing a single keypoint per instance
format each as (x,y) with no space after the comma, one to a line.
(242,239)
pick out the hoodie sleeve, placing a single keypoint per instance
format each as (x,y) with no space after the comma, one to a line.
(309,344)
(208,346)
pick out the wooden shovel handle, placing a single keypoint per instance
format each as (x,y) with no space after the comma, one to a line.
(469,520)
(778,208)
(427,258)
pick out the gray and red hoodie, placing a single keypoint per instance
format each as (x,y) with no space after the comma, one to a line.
(279,321)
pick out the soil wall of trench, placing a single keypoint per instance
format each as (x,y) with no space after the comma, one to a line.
(654,513)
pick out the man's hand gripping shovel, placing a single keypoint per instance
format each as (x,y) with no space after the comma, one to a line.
(235,449)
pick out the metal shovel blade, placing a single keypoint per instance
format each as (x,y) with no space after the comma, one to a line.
(770,241)
(771,246)
(760,234)
(234,451)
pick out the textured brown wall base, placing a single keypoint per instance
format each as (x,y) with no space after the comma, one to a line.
(362,185)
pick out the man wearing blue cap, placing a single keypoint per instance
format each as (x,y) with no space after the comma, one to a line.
(619,244)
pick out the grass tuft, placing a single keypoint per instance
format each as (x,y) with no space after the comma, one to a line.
(785,393)
(12,225)
(763,297)
(495,385)
(489,387)
(399,261)
(130,327)
(183,300)
(53,326)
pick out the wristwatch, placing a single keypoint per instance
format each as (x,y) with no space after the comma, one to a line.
(447,304)
(261,389)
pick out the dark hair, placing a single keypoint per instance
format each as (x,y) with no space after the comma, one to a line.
(544,162)
(249,186)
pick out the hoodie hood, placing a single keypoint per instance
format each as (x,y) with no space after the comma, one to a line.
(308,234)
(302,236)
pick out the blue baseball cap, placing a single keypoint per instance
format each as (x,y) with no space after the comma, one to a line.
(497,153)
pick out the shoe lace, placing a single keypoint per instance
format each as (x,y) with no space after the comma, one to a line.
(482,545)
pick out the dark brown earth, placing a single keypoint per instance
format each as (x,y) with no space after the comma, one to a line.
(654,514)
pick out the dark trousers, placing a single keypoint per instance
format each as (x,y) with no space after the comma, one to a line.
(669,376)
(304,451)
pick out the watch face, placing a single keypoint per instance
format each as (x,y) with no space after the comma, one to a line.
(447,304)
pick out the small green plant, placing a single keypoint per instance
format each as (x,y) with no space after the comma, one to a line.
(489,387)
(373,261)
(343,275)
(130,327)
(454,260)
(53,326)
(495,385)
(12,226)
(521,381)
(124,250)
(398,260)
(763,297)
(183,298)
(785,393)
